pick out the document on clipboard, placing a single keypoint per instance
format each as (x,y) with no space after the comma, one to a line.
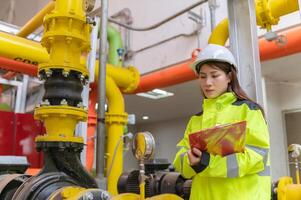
(220,140)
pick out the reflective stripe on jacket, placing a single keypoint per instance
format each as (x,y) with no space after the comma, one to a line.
(244,176)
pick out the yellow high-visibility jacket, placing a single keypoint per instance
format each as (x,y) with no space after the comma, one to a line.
(242,176)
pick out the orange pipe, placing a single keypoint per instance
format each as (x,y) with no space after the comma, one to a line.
(176,74)
(16,66)
(272,50)
(181,72)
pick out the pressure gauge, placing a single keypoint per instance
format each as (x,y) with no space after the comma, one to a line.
(144,146)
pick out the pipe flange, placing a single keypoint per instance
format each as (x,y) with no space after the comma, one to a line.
(135,80)
(42,145)
(264,16)
(111,118)
(60,111)
(45,69)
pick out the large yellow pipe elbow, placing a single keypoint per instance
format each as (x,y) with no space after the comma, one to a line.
(118,79)
(220,34)
(126,78)
(36,21)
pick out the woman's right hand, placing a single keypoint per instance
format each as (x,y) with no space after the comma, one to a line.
(194,156)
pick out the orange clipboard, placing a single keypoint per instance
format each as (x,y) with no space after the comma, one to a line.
(220,140)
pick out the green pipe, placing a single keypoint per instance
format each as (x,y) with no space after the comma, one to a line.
(115,45)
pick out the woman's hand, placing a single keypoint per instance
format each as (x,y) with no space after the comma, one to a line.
(194,156)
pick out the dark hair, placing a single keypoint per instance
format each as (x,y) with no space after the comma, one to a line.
(234,85)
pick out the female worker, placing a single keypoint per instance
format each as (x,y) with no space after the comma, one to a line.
(244,175)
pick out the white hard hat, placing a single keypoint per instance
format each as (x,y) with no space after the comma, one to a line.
(213,52)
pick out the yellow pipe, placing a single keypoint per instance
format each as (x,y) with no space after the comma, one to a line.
(126,78)
(116,118)
(36,21)
(220,34)
(279,8)
(267,14)
(118,79)
(31,52)
(21,49)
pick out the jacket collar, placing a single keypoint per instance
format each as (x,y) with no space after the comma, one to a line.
(222,100)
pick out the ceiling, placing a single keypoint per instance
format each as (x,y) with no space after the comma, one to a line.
(185,102)
(187,97)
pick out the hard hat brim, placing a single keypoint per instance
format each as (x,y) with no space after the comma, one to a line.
(194,66)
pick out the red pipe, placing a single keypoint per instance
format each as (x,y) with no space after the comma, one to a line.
(17,66)
(92,122)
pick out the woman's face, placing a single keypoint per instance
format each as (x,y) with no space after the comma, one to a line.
(213,81)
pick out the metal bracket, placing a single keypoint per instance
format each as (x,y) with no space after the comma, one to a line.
(280,40)
(199,19)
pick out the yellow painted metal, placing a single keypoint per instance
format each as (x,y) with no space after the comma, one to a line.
(14,47)
(140,145)
(127,78)
(286,190)
(36,21)
(126,196)
(264,17)
(165,197)
(142,190)
(66,37)
(72,193)
(116,118)
(21,49)
(281,187)
(220,34)
(60,122)
(267,14)
(66,193)
(283,7)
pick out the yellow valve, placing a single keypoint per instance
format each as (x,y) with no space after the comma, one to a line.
(264,17)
